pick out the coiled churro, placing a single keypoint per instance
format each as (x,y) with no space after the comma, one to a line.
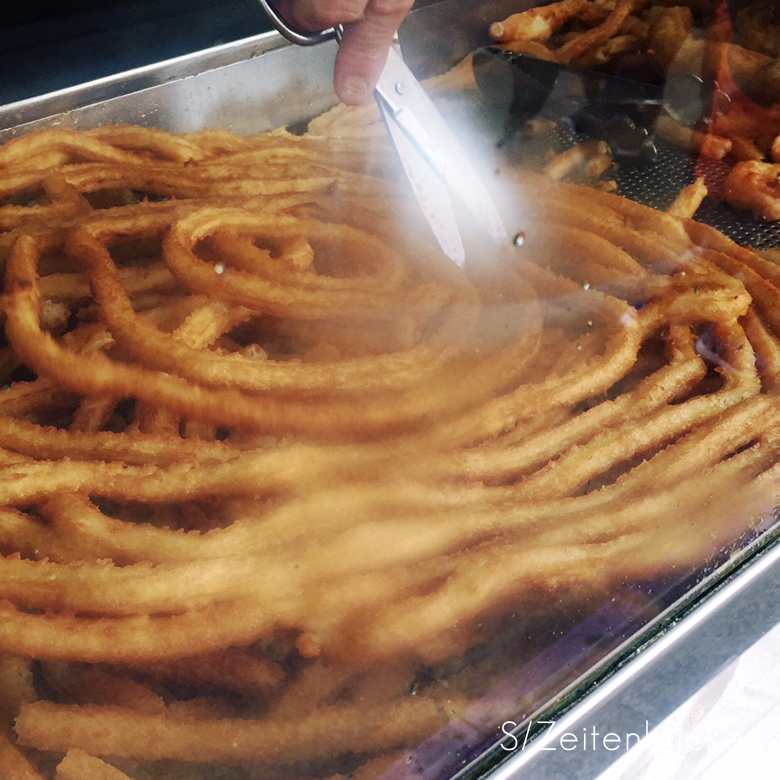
(264,450)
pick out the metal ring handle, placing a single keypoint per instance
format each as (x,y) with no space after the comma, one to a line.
(297,36)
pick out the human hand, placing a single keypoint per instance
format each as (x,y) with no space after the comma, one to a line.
(369,27)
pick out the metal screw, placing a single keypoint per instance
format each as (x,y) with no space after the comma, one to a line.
(400,88)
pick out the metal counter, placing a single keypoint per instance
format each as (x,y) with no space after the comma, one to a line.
(701,699)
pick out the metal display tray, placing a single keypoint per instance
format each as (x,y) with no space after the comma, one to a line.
(229,87)
(261,83)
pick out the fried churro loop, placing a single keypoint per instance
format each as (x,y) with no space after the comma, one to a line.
(239,416)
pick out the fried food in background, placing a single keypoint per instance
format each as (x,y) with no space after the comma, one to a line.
(278,478)
(659,40)
(676,35)
(754,185)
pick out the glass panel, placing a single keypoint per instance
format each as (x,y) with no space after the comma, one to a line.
(286,493)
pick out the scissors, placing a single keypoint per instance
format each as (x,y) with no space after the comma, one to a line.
(431,155)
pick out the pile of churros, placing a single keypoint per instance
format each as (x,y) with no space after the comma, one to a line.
(662,39)
(271,464)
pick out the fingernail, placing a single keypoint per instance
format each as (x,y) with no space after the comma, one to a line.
(354,90)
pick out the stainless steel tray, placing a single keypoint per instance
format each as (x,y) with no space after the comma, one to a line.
(261,83)
(229,86)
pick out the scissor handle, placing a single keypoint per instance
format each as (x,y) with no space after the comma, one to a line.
(298,36)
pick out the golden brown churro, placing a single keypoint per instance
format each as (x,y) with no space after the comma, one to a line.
(265,458)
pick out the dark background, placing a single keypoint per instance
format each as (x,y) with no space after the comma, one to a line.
(47,45)
(51,44)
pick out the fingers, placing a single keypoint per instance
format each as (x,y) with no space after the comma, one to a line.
(369,29)
(362,55)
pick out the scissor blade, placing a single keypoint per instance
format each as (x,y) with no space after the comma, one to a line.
(404,98)
(430,191)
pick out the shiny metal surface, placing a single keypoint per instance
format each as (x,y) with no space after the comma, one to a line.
(297,36)
(680,666)
(405,100)
(224,87)
(429,189)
